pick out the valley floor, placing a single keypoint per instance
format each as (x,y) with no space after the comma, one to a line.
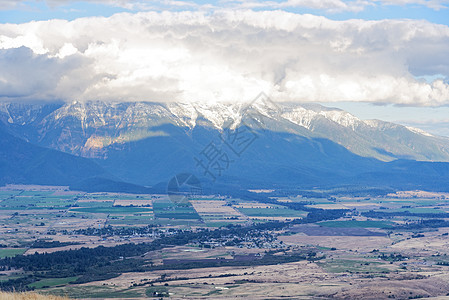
(391,246)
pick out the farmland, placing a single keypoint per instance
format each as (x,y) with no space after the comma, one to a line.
(339,247)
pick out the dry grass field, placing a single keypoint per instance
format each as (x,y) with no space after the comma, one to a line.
(359,243)
(133,202)
(214,207)
(329,206)
(216,211)
(81,201)
(299,280)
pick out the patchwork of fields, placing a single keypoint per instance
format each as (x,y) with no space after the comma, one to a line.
(27,214)
(392,244)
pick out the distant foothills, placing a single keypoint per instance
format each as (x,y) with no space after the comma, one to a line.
(139,146)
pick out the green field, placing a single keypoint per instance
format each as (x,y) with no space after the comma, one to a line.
(49,282)
(112,210)
(169,210)
(98,292)
(161,205)
(36,193)
(37,202)
(10,252)
(177,215)
(8,194)
(95,204)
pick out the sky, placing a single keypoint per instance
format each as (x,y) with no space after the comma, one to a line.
(383,59)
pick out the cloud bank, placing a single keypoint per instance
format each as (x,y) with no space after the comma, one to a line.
(225,56)
(324,5)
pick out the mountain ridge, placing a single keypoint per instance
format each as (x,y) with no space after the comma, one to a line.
(86,128)
(143,145)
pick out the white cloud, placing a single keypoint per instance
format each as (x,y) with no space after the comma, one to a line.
(433,4)
(331,6)
(225,56)
(360,5)
(127,4)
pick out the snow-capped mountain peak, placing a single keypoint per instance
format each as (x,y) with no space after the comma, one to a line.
(342,117)
(89,128)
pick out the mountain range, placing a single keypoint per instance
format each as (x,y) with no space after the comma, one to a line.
(140,145)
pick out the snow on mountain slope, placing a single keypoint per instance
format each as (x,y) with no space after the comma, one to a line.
(300,116)
(98,114)
(419,131)
(184,112)
(89,128)
(304,117)
(343,118)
